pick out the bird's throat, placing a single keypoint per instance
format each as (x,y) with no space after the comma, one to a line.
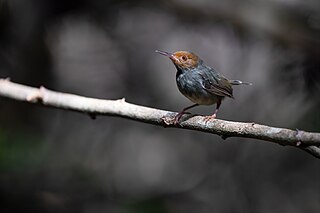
(179,72)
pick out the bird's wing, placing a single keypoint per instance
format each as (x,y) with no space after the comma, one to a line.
(217,84)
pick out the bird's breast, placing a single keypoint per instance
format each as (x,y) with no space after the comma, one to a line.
(190,84)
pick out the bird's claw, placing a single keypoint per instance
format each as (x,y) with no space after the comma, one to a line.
(209,118)
(178,117)
(174,120)
(168,120)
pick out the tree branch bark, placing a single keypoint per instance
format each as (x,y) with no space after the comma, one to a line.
(306,141)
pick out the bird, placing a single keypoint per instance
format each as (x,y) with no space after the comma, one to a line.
(200,83)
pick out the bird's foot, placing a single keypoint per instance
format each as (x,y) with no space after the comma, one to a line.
(174,120)
(209,118)
(178,117)
(168,120)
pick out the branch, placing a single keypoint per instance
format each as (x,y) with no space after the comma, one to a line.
(306,141)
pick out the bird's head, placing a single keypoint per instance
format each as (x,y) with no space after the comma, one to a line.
(182,59)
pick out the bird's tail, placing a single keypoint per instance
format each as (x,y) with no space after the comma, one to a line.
(237,82)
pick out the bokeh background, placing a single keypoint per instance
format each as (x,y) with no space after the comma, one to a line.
(58,161)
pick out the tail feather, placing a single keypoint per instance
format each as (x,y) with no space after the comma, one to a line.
(237,82)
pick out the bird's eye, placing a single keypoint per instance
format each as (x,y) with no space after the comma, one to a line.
(184,58)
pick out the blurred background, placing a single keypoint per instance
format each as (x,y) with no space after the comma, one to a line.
(58,161)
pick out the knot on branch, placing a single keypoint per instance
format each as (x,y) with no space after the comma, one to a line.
(37,96)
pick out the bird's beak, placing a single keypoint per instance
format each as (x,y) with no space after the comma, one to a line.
(170,55)
(164,53)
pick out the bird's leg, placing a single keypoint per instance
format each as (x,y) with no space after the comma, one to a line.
(217,108)
(179,115)
(208,118)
